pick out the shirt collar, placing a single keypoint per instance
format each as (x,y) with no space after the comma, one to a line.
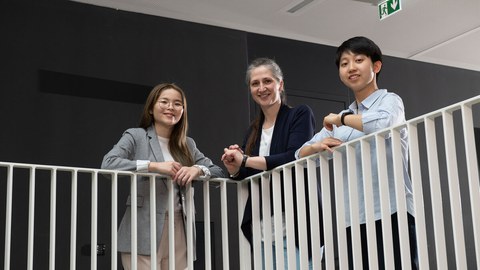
(368,102)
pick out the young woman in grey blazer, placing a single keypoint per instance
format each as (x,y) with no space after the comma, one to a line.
(159,145)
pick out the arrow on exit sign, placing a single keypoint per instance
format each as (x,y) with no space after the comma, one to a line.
(388,8)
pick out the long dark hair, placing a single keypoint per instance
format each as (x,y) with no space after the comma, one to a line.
(177,143)
(278,76)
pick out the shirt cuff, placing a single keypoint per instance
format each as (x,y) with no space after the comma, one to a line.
(142,165)
(206,172)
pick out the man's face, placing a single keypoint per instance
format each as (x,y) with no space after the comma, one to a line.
(358,72)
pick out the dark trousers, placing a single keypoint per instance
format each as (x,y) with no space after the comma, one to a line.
(396,243)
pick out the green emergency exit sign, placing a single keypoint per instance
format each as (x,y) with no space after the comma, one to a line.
(388,8)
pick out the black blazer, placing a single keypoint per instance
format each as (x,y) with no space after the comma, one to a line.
(293,127)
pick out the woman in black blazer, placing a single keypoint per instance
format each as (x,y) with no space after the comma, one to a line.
(274,136)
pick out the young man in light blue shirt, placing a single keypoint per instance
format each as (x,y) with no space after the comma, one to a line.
(359,61)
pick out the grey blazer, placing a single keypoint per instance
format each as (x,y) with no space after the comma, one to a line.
(140,144)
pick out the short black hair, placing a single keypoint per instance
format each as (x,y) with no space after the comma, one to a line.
(359,45)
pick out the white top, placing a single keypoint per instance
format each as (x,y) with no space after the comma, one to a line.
(168,157)
(265,141)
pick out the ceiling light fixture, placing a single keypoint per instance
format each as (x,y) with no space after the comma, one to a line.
(299,6)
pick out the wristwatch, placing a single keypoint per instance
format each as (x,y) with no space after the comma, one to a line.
(244,161)
(205,170)
(342,118)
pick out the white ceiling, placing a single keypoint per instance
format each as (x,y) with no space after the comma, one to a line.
(445,32)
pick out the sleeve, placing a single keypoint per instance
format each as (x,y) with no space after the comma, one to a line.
(142,165)
(121,155)
(204,162)
(300,129)
(389,112)
(320,136)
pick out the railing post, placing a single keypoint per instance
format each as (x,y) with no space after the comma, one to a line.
(301,214)
(133,209)
(8,217)
(153,222)
(418,200)
(454,189)
(31,218)
(472,172)
(73,220)
(289,218)
(190,221)
(243,245)
(278,219)
(53,216)
(114,233)
(206,217)
(384,202)
(354,210)
(340,210)
(315,232)
(327,218)
(369,204)
(224,203)
(255,197)
(171,226)
(266,219)
(94,229)
(435,190)
(400,199)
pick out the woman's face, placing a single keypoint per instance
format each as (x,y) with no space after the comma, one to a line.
(264,87)
(168,109)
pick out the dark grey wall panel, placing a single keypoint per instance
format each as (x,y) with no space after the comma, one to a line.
(426,87)
(104,52)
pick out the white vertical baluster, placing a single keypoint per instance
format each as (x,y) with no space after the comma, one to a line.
(401,200)
(133,211)
(206,218)
(472,171)
(94,227)
(340,209)
(369,204)
(8,216)
(53,217)
(418,201)
(31,218)
(454,190)
(224,203)
(384,202)
(153,223)
(73,219)
(114,222)
(436,192)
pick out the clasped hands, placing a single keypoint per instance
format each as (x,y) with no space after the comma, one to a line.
(182,175)
(232,158)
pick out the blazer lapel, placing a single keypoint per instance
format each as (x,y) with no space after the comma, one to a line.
(155,147)
(279,128)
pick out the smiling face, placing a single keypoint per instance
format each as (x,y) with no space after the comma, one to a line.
(358,73)
(265,88)
(168,109)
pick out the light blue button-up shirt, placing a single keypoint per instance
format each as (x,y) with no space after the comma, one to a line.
(380,110)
